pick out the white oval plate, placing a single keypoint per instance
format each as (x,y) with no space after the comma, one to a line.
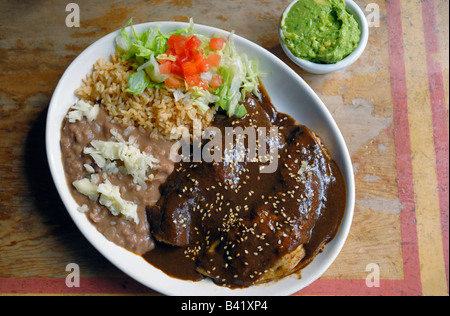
(288,92)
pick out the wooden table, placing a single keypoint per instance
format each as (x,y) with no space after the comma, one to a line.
(391,105)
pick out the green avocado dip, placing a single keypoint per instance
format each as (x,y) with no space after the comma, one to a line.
(321,31)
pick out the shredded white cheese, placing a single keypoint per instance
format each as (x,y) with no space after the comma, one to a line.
(83,208)
(109,196)
(135,162)
(83,109)
(86,187)
(89,168)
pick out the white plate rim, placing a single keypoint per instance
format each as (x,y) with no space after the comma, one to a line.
(132,264)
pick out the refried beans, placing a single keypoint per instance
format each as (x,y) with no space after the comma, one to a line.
(125,233)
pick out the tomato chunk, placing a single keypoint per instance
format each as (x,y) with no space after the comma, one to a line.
(193,80)
(176,69)
(197,55)
(203,84)
(216,81)
(189,69)
(202,65)
(217,43)
(165,67)
(193,43)
(173,82)
(190,61)
(173,39)
(214,59)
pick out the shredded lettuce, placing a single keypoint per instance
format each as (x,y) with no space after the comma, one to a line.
(152,70)
(202,98)
(137,82)
(240,74)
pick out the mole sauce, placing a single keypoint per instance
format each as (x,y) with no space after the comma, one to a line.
(230,222)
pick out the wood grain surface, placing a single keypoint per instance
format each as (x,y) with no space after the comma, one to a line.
(391,106)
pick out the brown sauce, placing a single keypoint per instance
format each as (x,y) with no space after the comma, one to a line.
(230,222)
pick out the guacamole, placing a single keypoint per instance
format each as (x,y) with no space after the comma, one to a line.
(320,31)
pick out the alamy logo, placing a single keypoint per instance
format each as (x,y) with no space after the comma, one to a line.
(73,18)
(373,278)
(252,144)
(73,278)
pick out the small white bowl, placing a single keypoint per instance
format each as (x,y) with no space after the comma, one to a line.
(316,68)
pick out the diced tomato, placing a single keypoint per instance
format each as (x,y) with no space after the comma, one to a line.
(190,61)
(175,39)
(173,82)
(193,43)
(189,69)
(193,80)
(216,81)
(176,69)
(213,59)
(182,58)
(204,84)
(177,43)
(202,65)
(165,67)
(170,52)
(197,55)
(217,43)
(180,48)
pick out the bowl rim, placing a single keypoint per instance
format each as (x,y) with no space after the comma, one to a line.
(317,68)
(112,252)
